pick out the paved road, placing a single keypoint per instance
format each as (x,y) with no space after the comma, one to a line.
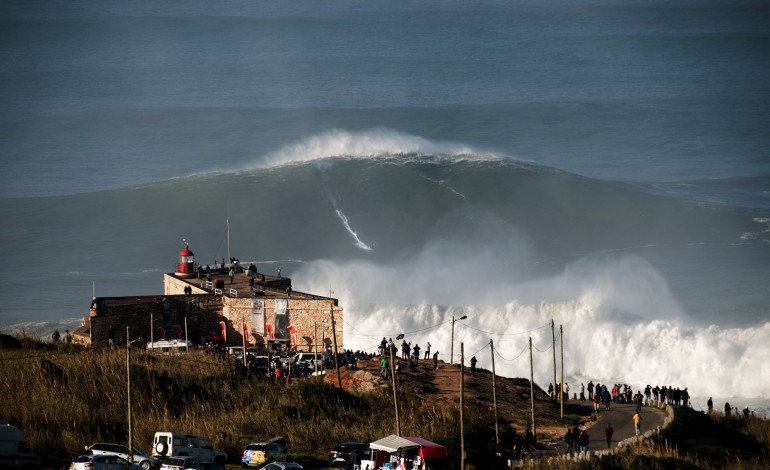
(621,419)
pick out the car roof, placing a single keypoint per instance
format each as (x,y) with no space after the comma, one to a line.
(275,440)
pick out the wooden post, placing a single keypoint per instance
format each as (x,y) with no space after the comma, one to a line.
(452,343)
(532,390)
(553,345)
(243,333)
(395,394)
(494,395)
(315,348)
(334,338)
(128,390)
(561,392)
(462,403)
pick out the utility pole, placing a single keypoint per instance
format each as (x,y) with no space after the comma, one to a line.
(128,390)
(553,346)
(334,338)
(532,390)
(315,347)
(152,333)
(323,365)
(452,344)
(395,394)
(186,347)
(494,395)
(462,405)
(244,328)
(561,391)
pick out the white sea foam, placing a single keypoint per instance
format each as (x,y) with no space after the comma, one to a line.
(619,321)
(380,143)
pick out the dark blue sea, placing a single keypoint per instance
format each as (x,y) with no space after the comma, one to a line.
(601,164)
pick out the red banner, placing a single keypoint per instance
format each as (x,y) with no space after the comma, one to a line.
(293,335)
(224,330)
(245,329)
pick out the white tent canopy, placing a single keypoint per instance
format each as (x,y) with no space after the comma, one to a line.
(393,443)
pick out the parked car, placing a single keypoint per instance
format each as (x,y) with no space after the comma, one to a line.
(181,463)
(170,444)
(14,450)
(339,456)
(311,360)
(258,453)
(145,461)
(282,466)
(102,462)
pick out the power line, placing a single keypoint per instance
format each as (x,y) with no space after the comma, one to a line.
(464,325)
(497,353)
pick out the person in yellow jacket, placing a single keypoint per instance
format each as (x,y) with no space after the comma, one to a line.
(637,422)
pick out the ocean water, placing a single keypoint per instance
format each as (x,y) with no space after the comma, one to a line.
(601,164)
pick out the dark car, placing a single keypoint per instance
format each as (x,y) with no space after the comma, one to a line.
(339,456)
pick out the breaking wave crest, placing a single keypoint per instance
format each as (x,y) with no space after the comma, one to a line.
(379,143)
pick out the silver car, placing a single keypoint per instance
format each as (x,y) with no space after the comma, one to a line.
(144,460)
(282,466)
(102,462)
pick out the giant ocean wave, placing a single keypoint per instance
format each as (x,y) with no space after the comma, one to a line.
(409,233)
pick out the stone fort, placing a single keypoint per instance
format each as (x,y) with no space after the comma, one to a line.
(226,304)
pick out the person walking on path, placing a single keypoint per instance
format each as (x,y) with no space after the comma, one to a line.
(608,431)
(637,423)
(427,351)
(584,439)
(435,360)
(569,438)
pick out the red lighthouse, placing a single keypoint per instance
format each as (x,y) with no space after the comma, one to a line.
(186,265)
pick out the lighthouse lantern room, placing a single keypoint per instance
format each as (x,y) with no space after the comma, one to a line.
(186,265)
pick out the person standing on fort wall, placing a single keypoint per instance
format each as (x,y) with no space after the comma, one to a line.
(231,273)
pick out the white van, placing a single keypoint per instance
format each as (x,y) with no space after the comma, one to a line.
(14,451)
(170,346)
(169,444)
